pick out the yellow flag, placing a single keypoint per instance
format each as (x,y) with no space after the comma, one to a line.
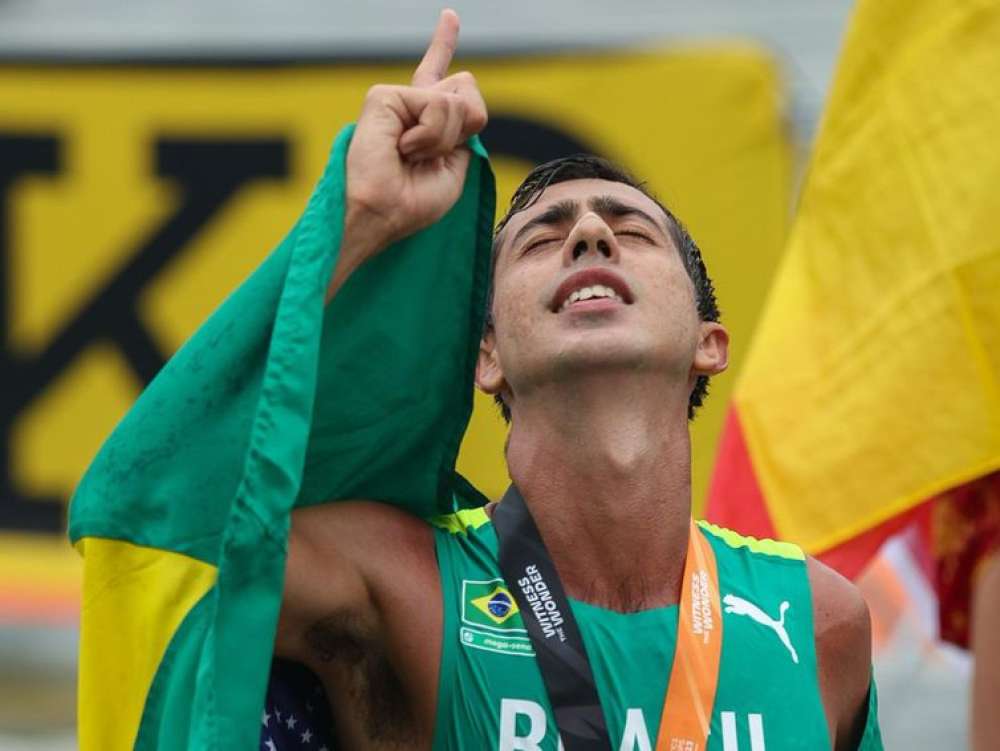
(872,382)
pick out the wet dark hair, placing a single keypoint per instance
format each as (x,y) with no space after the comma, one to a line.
(587,166)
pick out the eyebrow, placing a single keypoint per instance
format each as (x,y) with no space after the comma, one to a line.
(608,206)
(558,213)
(567,210)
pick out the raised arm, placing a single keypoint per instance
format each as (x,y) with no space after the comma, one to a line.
(407,160)
(405,169)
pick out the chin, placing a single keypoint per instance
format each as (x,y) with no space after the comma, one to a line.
(597,353)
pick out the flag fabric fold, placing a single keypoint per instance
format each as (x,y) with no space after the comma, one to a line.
(277,401)
(872,380)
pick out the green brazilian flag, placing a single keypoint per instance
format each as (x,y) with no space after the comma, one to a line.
(276,402)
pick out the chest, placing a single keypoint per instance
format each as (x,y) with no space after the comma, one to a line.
(493,696)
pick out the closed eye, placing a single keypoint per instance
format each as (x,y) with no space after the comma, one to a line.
(634,233)
(535,245)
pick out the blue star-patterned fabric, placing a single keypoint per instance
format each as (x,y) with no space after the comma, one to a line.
(296,713)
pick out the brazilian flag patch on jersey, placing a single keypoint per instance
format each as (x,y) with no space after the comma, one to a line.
(491,620)
(497,605)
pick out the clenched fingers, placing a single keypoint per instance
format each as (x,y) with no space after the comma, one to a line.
(464,85)
(439,129)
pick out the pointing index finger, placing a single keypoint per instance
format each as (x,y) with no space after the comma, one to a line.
(434,65)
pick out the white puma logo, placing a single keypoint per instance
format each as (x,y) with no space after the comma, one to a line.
(739,606)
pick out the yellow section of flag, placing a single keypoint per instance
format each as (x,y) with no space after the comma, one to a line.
(157,589)
(872,381)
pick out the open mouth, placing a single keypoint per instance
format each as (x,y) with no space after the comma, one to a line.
(595,288)
(594,292)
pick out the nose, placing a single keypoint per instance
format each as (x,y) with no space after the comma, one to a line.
(591,234)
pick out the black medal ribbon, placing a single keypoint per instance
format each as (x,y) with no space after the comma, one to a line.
(562,658)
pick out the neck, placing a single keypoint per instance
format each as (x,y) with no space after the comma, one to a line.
(606,470)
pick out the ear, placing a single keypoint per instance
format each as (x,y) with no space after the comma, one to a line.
(489,373)
(712,355)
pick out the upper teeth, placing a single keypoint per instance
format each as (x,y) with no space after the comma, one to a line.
(585,293)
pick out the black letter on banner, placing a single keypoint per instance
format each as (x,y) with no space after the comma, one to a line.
(209,172)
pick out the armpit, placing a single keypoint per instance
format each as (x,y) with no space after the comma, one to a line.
(362,674)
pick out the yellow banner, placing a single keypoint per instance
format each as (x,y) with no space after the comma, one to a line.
(136,198)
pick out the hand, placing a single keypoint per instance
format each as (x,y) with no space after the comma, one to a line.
(407,161)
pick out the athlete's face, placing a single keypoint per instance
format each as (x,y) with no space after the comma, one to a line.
(588,279)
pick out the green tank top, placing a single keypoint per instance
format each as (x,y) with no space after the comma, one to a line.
(491,694)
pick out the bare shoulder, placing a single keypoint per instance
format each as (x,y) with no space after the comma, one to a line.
(840,613)
(367,527)
(843,650)
(373,541)
(343,560)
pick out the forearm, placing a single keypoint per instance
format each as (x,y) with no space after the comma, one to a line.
(362,238)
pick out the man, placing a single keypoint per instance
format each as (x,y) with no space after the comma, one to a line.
(602,334)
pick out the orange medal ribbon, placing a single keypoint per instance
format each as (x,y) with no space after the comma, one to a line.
(687,709)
